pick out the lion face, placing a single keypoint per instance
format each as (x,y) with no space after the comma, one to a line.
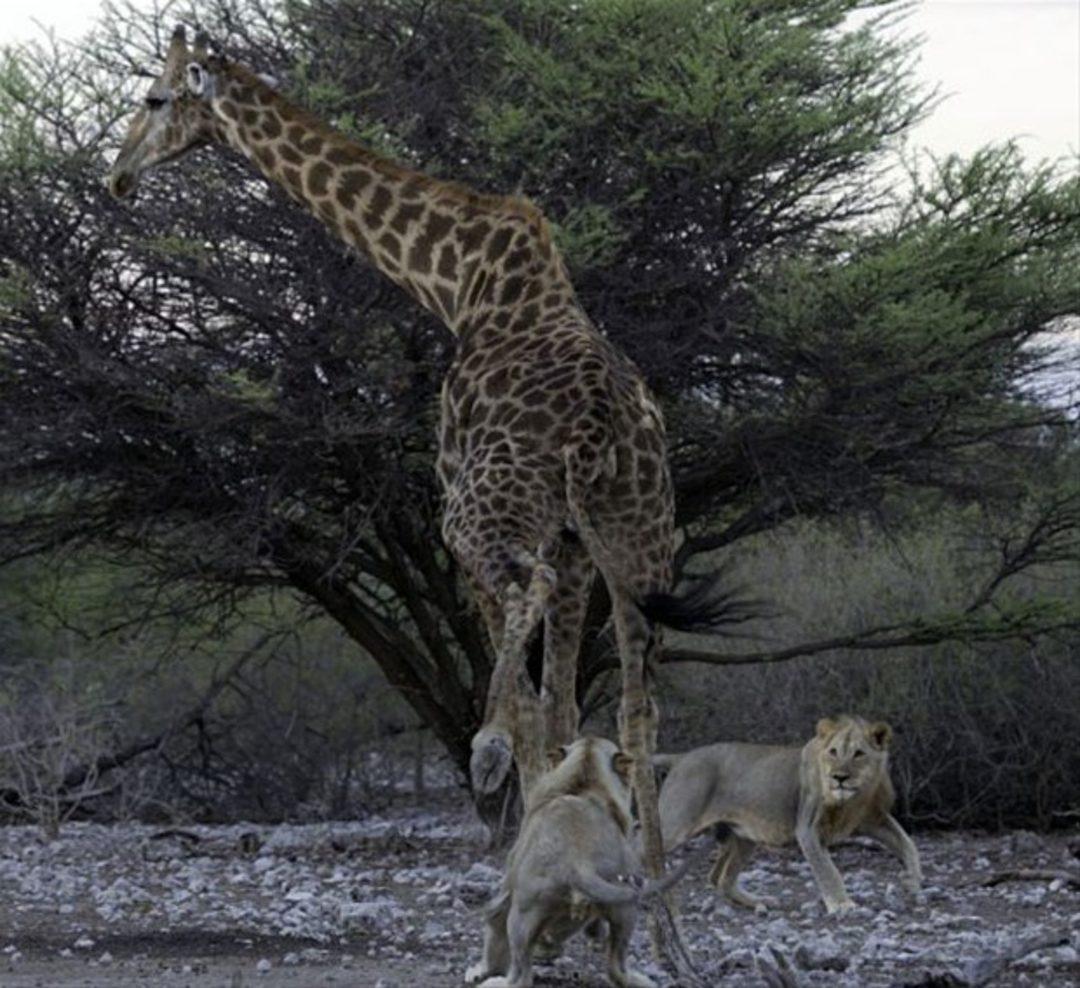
(852,755)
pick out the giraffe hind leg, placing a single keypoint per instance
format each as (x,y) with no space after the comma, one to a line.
(563,623)
(638,722)
(512,728)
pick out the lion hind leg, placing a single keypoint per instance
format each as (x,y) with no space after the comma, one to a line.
(523,926)
(496,956)
(720,860)
(679,820)
(621,928)
(732,857)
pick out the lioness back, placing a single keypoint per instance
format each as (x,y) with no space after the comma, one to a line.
(567,830)
(570,866)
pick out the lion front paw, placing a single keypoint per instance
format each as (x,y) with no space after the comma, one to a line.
(912,884)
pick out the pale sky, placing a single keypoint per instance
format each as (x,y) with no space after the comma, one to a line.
(1008,68)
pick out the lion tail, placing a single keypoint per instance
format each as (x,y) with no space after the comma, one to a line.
(592,887)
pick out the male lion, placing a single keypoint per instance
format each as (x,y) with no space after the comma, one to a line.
(569,868)
(837,784)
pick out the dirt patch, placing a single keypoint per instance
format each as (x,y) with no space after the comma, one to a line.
(393,901)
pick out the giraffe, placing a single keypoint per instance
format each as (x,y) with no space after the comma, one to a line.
(551,449)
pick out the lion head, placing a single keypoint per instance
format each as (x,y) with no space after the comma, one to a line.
(852,757)
(588,765)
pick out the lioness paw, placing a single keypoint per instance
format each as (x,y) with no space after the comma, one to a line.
(837,907)
(738,897)
(635,979)
(499,981)
(475,972)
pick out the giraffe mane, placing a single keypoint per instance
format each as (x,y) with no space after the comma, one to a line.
(500,205)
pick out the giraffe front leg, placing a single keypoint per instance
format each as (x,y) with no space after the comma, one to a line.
(511,728)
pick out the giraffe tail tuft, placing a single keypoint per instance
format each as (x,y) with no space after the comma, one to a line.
(707,604)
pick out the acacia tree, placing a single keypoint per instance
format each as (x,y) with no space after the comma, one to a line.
(210,389)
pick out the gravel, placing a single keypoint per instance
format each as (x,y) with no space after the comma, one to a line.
(394,900)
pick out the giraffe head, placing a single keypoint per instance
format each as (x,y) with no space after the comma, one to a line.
(175,116)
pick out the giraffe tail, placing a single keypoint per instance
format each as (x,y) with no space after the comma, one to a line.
(706,604)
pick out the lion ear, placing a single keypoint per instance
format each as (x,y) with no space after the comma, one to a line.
(555,756)
(881,734)
(621,763)
(825,727)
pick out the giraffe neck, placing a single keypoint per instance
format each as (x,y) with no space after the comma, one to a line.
(473,260)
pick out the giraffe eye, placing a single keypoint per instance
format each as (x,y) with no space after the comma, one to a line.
(833,752)
(859,753)
(155,102)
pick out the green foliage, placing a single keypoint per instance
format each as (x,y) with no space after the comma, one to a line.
(651,91)
(176,247)
(588,236)
(16,289)
(23,147)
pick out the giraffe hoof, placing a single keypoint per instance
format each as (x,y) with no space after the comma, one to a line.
(490,762)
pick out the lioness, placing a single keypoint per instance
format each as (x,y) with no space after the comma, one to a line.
(837,784)
(568,868)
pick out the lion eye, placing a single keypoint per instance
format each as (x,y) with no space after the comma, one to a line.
(155,102)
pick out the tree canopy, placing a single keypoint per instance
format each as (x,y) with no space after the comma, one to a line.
(210,388)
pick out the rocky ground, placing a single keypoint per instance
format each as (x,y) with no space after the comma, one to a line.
(392,901)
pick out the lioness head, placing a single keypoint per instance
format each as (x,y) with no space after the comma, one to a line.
(588,765)
(851,756)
